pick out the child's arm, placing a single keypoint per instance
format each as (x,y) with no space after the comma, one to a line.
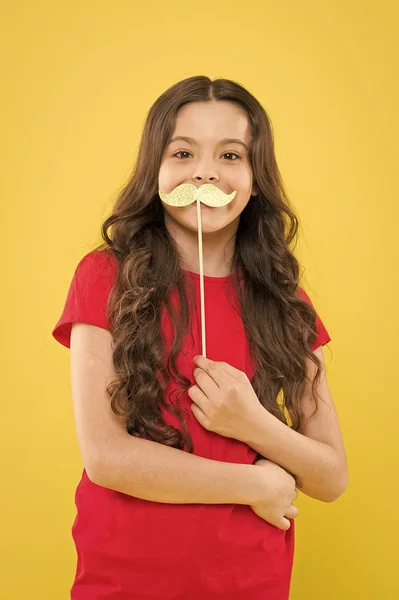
(135,466)
(153,471)
(316,452)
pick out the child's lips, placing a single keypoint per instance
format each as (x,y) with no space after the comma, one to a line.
(203,206)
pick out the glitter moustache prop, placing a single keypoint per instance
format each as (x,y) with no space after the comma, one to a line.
(184,195)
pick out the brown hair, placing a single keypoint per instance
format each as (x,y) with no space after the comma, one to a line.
(280,326)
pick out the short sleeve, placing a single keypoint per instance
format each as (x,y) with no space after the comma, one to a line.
(88,294)
(323,336)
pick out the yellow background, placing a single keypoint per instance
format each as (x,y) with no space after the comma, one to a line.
(78,79)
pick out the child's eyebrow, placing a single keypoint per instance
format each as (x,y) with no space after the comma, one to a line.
(192,141)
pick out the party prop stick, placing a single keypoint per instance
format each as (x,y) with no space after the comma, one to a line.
(186,194)
(201,266)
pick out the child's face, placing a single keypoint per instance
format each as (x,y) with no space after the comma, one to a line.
(225,165)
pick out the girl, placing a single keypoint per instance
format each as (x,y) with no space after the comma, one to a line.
(175,502)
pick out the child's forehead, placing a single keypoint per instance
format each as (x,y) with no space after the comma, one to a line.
(212,121)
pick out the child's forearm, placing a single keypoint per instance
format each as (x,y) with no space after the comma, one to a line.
(153,471)
(318,468)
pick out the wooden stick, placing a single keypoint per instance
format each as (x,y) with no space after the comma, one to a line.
(201,266)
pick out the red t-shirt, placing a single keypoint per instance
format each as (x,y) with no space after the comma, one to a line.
(134,549)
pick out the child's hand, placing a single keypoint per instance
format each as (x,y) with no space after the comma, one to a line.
(224,400)
(274,503)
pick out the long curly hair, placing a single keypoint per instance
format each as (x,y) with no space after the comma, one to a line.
(280,326)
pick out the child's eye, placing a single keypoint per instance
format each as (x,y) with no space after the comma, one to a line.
(185,152)
(232,153)
(181,152)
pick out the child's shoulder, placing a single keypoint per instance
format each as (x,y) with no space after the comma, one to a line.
(98,263)
(99,257)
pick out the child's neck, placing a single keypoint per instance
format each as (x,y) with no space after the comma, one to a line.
(217,250)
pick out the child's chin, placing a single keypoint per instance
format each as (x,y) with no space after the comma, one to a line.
(213,226)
